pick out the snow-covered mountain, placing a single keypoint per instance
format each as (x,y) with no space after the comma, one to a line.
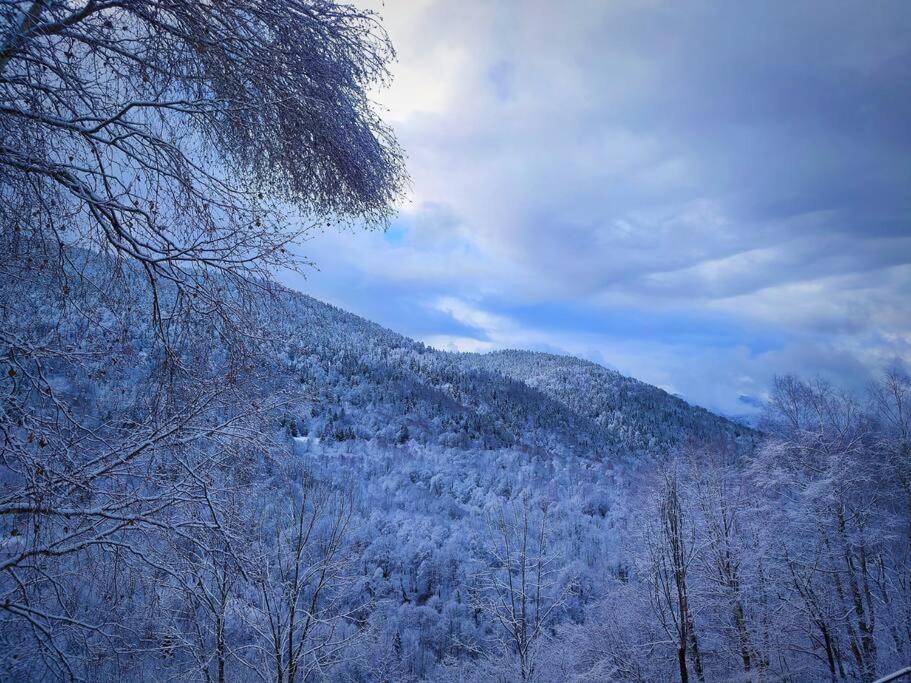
(374,384)
(427,445)
(433,477)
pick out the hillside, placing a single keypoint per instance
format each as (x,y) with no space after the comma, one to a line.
(636,416)
(426,456)
(372,383)
(425,444)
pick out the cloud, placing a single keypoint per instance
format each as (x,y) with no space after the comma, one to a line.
(716,372)
(735,165)
(458,344)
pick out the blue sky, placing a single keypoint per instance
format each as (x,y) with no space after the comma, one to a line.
(701,195)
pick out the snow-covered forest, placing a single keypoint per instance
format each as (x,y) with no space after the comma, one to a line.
(205,476)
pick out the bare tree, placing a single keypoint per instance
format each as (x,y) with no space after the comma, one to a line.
(299,575)
(792,556)
(119,488)
(671,548)
(821,463)
(166,131)
(522,591)
(204,591)
(891,398)
(157,159)
(891,403)
(720,497)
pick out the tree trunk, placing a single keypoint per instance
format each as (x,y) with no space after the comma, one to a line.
(681,661)
(694,647)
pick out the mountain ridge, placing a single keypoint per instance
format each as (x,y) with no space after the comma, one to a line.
(386,381)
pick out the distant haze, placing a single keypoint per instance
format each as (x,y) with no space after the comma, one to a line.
(700,195)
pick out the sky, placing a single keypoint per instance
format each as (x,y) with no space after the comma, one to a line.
(701,195)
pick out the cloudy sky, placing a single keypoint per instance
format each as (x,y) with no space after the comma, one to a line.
(698,194)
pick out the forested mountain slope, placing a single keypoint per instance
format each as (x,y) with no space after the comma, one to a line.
(424,445)
(636,416)
(418,469)
(374,384)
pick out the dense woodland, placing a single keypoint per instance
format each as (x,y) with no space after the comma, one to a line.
(204,476)
(370,514)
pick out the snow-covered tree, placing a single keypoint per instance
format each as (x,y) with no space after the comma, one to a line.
(154,160)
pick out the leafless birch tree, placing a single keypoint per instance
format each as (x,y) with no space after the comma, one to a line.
(157,160)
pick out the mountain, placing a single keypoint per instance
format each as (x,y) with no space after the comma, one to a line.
(370,383)
(433,443)
(636,416)
(428,446)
